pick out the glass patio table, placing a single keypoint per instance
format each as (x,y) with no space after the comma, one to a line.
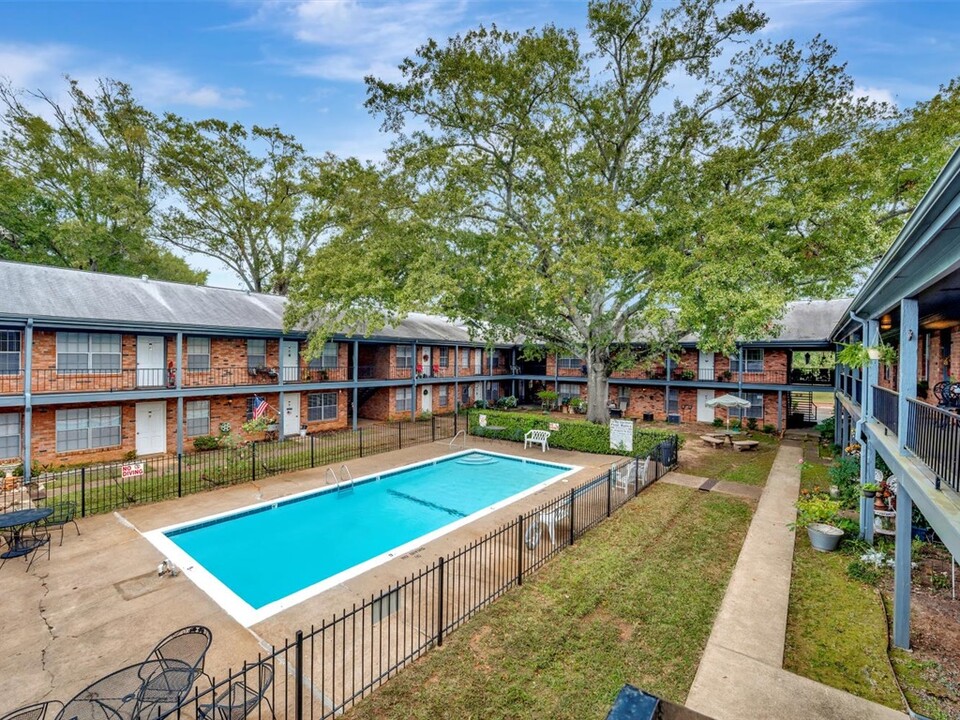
(145,691)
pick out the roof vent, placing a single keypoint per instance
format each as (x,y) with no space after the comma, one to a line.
(145,278)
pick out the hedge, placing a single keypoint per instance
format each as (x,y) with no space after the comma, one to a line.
(572,435)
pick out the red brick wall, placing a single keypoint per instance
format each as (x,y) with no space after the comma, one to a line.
(45,436)
(46,379)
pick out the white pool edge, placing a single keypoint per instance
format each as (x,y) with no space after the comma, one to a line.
(247,615)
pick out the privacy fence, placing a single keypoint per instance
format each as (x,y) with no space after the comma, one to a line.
(106,487)
(325,670)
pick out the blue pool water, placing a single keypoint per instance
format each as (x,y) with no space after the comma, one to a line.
(265,554)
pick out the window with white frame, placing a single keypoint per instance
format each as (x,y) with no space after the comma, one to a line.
(328,358)
(198,353)
(568,390)
(754,411)
(673,402)
(443,395)
(87,428)
(404,356)
(256,353)
(464,357)
(404,399)
(322,406)
(752,360)
(9,353)
(198,417)
(85,352)
(569,362)
(623,397)
(444,360)
(9,435)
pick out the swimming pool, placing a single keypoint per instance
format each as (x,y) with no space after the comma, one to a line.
(264,558)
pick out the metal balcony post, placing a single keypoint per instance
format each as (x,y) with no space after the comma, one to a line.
(27,401)
(178,384)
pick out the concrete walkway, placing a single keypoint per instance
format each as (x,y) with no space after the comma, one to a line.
(724,487)
(741,673)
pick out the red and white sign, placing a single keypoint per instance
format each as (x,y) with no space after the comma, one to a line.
(131,470)
(554,427)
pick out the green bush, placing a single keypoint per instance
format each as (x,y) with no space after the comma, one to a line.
(206,442)
(572,435)
(864,572)
(751,423)
(717,422)
(845,474)
(826,428)
(769,429)
(735,423)
(548,398)
(507,402)
(816,509)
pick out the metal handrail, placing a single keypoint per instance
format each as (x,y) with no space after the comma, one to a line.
(344,470)
(454,440)
(332,474)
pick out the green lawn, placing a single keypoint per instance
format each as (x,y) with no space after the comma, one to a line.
(633,601)
(751,468)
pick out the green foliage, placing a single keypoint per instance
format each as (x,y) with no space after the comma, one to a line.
(480,403)
(864,572)
(206,442)
(845,474)
(769,429)
(735,424)
(869,487)
(857,355)
(751,423)
(258,425)
(826,428)
(572,435)
(548,398)
(717,422)
(816,509)
(507,402)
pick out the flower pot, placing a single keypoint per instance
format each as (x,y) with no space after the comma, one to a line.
(824,538)
(873,353)
(878,504)
(869,493)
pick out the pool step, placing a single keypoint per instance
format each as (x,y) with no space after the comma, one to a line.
(476,460)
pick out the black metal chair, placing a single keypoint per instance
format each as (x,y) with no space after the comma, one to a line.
(63,512)
(26,545)
(187,645)
(240,699)
(39,711)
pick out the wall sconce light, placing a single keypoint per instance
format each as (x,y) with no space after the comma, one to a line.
(886,322)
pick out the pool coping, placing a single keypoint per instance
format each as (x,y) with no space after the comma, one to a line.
(247,615)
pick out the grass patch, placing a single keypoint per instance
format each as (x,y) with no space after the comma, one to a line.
(815,475)
(750,468)
(924,683)
(633,601)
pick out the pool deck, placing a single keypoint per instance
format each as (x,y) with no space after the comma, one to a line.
(98,603)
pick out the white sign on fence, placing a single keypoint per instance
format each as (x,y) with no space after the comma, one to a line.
(482,420)
(554,427)
(131,470)
(621,435)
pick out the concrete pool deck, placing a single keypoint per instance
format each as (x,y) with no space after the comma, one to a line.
(98,603)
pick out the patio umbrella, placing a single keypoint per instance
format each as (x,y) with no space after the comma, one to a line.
(728,401)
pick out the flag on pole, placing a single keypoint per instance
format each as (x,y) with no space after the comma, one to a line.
(259,407)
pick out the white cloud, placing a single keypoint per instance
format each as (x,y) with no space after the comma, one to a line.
(876,94)
(163,87)
(789,14)
(23,65)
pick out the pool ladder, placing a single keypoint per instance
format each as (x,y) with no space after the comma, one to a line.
(342,485)
(464,443)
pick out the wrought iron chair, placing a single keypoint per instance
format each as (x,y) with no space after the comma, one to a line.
(26,545)
(63,512)
(187,645)
(39,711)
(240,698)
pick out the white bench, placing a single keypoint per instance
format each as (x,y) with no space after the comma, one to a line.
(537,437)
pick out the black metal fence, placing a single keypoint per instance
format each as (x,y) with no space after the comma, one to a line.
(934,437)
(886,407)
(106,487)
(325,670)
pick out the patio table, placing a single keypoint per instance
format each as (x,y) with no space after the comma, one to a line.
(16,522)
(145,691)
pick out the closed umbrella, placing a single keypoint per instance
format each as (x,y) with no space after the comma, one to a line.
(728,401)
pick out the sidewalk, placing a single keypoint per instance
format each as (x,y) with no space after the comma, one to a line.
(741,673)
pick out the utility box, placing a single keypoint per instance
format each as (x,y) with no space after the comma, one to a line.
(634,704)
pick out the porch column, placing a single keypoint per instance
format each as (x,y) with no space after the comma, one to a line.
(281,414)
(868,454)
(740,376)
(868,466)
(456,374)
(27,401)
(356,377)
(907,372)
(901,576)
(779,410)
(413,380)
(178,381)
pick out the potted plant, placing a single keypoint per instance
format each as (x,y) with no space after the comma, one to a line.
(576,405)
(547,399)
(869,490)
(859,355)
(687,375)
(816,513)
(726,375)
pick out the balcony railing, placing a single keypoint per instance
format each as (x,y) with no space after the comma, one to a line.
(11,382)
(885,408)
(811,376)
(934,437)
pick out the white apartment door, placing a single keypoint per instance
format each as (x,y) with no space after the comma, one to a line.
(290,360)
(426,360)
(705,413)
(290,422)
(478,362)
(706,366)
(150,370)
(427,402)
(151,425)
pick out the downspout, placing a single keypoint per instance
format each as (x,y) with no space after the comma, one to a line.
(866,410)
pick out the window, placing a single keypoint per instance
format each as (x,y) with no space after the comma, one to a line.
(569,362)
(444,395)
(404,356)
(493,392)
(444,357)
(568,390)
(754,411)
(623,397)
(83,352)
(328,358)
(464,357)
(9,354)
(198,418)
(9,435)
(249,408)
(322,406)
(404,398)
(256,353)
(752,360)
(673,402)
(198,353)
(87,428)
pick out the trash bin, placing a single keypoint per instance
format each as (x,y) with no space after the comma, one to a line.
(666,453)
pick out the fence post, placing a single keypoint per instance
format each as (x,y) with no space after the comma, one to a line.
(636,475)
(456,417)
(433,429)
(253,462)
(610,480)
(571,516)
(298,701)
(440,604)
(311,450)
(83,492)
(179,474)
(520,550)
(361,441)
(399,436)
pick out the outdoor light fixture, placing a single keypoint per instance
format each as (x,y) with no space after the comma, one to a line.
(886,322)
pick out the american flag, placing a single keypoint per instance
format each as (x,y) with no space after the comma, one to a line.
(259,407)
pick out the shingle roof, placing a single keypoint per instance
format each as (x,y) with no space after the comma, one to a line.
(804,321)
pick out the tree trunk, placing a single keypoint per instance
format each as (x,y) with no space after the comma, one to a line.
(598,391)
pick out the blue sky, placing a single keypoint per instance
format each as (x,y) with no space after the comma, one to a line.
(300,65)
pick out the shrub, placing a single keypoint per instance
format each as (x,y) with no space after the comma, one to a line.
(826,428)
(548,398)
(816,509)
(735,423)
(859,570)
(769,429)
(845,474)
(572,435)
(480,404)
(206,442)
(717,422)
(751,423)
(507,402)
